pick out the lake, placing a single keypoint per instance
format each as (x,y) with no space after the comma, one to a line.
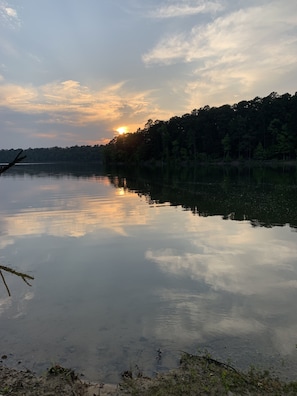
(133,267)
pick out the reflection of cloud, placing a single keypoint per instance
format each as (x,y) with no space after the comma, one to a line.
(198,317)
(23,304)
(6,241)
(285,337)
(77,214)
(246,271)
(5,303)
(237,325)
(245,279)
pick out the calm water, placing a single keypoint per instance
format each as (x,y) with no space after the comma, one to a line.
(125,264)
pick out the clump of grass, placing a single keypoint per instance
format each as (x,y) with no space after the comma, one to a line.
(203,375)
(57,370)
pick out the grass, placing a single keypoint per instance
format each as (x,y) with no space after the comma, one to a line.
(203,375)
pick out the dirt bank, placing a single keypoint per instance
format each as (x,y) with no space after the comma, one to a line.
(58,381)
(197,375)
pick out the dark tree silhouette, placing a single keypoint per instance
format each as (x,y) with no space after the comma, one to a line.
(260,129)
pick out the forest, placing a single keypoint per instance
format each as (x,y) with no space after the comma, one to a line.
(258,129)
(56,154)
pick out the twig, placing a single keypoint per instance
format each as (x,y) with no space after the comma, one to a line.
(17,159)
(25,277)
(7,288)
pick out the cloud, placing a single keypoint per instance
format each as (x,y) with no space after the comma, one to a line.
(246,32)
(187,8)
(68,112)
(8,15)
(11,12)
(69,102)
(237,51)
(193,53)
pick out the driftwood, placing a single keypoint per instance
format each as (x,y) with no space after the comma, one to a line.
(25,277)
(17,159)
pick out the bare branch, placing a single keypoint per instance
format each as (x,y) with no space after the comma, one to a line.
(25,277)
(17,159)
(5,284)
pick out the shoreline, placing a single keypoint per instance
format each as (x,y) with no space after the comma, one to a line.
(201,375)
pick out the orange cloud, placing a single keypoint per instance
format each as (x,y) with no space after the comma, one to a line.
(69,102)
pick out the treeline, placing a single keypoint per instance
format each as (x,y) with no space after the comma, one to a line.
(259,129)
(56,154)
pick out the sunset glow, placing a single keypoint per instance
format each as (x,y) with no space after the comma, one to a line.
(121,130)
(202,53)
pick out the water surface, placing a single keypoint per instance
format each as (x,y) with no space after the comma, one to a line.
(126,264)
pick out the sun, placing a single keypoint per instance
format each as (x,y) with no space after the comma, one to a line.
(121,130)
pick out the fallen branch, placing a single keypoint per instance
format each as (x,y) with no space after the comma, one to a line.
(25,277)
(5,284)
(17,159)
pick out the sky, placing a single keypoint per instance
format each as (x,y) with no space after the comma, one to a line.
(76,72)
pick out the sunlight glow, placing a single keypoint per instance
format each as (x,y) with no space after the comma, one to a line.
(121,130)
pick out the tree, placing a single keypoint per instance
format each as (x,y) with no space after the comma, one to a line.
(258,128)
(284,142)
(226,145)
(259,152)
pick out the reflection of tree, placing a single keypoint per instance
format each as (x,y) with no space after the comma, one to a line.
(25,277)
(264,196)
